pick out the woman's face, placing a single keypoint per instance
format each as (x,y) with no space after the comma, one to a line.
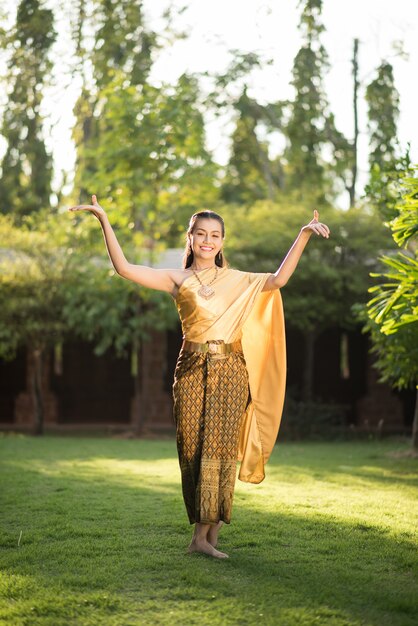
(206,239)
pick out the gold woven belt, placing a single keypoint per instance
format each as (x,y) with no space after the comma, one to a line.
(212,347)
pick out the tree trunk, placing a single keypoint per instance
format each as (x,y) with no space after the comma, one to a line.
(138,416)
(307,390)
(352,188)
(265,164)
(415,425)
(37,391)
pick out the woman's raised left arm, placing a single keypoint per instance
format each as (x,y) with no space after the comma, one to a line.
(286,269)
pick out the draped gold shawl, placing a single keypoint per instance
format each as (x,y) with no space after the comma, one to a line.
(241,310)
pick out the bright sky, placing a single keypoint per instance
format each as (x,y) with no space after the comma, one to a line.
(270,28)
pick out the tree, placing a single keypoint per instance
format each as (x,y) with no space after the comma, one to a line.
(25,184)
(316,152)
(305,128)
(32,296)
(141,146)
(123,42)
(385,167)
(54,286)
(250,174)
(308,128)
(123,47)
(383,101)
(154,167)
(393,310)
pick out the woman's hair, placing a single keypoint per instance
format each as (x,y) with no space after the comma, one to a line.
(188,255)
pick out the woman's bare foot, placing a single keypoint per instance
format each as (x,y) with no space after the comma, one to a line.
(202,545)
(213,534)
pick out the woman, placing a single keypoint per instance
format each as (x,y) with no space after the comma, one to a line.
(230,375)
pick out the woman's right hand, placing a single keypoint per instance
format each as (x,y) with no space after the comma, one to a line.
(95,207)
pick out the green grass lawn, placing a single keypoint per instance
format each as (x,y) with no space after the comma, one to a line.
(93,532)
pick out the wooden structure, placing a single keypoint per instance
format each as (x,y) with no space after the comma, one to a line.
(89,393)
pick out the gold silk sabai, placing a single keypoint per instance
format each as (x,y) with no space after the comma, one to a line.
(240,310)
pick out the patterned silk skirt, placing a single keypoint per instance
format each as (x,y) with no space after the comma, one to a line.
(210,397)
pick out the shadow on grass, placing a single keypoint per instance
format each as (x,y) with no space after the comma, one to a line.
(116,544)
(368,461)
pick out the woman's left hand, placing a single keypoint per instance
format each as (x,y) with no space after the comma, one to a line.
(315,226)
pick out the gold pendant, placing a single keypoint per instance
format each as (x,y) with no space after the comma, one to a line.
(206,292)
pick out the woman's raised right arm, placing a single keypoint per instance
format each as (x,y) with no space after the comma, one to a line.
(141,274)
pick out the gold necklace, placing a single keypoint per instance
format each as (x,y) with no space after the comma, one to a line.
(206,291)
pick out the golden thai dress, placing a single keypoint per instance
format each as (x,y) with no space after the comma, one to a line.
(227,406)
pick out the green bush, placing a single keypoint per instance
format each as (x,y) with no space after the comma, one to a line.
(314,420)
